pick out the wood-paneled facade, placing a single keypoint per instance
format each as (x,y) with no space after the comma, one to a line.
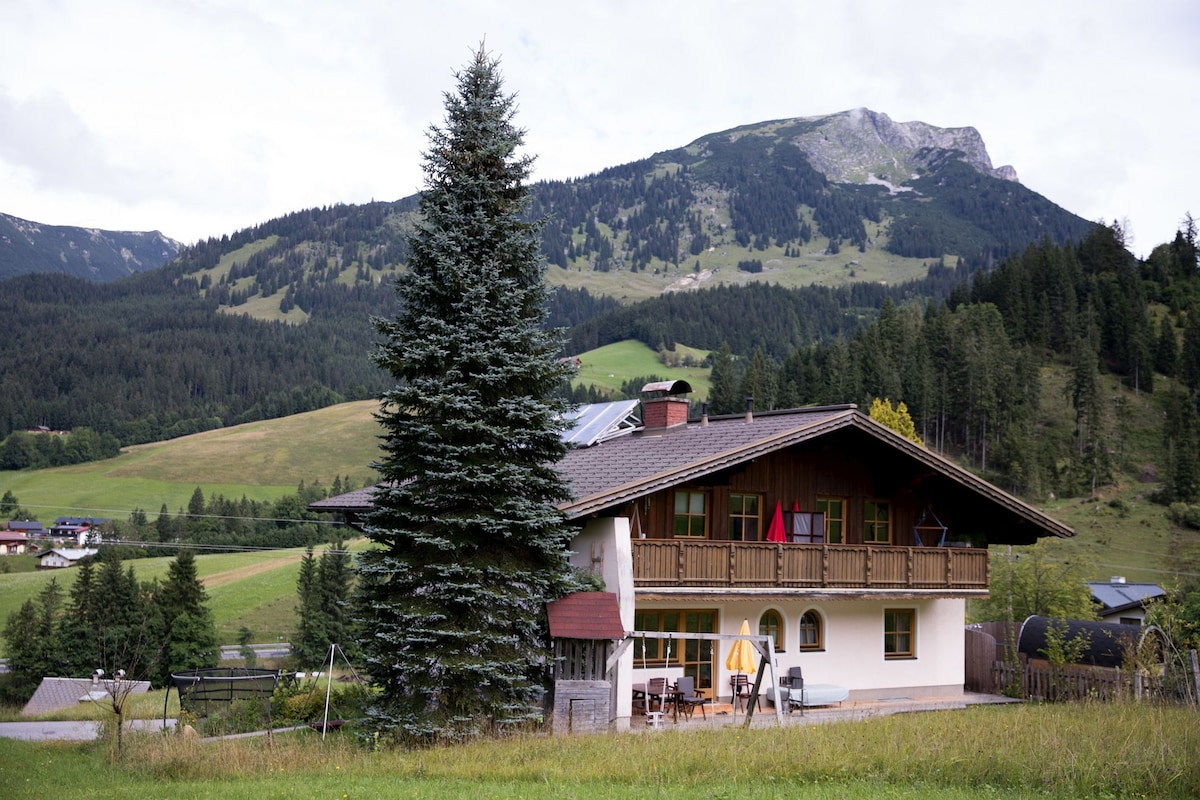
(801,475)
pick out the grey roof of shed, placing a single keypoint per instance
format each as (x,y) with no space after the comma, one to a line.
(1118,596)
(55,693)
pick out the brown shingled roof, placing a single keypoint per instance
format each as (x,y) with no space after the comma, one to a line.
(586,615)
(614,472)
(629,467)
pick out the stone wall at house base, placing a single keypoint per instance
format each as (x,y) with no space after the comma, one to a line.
(581,706)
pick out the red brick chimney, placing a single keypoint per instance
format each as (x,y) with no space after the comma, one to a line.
(662,406)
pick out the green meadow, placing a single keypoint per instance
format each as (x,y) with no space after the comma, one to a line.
(1006,752)
(608,367)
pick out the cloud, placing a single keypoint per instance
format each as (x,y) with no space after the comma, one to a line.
(200,117)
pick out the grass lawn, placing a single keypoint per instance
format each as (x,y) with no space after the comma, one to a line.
(997,752)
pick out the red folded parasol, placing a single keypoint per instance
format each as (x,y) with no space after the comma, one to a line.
(775,532)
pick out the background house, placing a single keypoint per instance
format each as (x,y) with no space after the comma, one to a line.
(13,543)
(60,557)
(1118,601)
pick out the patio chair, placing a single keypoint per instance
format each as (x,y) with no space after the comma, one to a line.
(740,684)
(795,683)
(655,689)
(686,698)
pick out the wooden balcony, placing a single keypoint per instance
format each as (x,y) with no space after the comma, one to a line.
(688,563)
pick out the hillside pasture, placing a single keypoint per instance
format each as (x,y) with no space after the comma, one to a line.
(260,460)
(608,367)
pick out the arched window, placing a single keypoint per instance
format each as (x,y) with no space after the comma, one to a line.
(769,624)
(812,633)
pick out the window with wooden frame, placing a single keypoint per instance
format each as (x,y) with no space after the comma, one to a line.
(744,517)
(834,509)
(694,655)
(691,514)
(899,633)
(812,632)
(877,522)
(770,624)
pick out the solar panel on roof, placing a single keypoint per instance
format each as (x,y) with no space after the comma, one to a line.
(598,422)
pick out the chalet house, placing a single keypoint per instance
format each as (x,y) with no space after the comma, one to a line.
(29,527)
(61,557)
(852,547)
(13,542)
(83,530)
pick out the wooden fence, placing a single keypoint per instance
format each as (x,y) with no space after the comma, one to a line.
(1039,680)
(991,668)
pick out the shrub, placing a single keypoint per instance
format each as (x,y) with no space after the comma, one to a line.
(1184,516)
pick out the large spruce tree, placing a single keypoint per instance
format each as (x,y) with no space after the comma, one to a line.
(469,544)
(187,636)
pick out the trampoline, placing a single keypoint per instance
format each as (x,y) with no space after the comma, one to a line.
(203,691)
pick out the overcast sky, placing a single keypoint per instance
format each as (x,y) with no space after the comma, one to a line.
(202,117)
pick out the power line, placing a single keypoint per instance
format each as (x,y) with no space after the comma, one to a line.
(91,512)
(221,548)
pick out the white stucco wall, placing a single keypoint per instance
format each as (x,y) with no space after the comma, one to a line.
(853,631)
(603,546)
(853,644)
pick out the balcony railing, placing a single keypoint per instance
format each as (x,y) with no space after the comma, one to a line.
(686,563)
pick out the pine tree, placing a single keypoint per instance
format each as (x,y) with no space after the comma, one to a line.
(188,633)
(723,397)
(1188,370)
(759,381)
(32,644)
(311,642)
(1166,354)
(469,544)
(333,579)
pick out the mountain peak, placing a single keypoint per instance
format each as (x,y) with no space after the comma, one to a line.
(90,253)
(865,146)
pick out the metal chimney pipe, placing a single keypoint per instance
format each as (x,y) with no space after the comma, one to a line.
(749,409)
(704,415)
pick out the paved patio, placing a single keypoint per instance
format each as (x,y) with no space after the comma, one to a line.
(722,714)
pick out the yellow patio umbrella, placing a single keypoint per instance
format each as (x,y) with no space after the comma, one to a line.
(742,658)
